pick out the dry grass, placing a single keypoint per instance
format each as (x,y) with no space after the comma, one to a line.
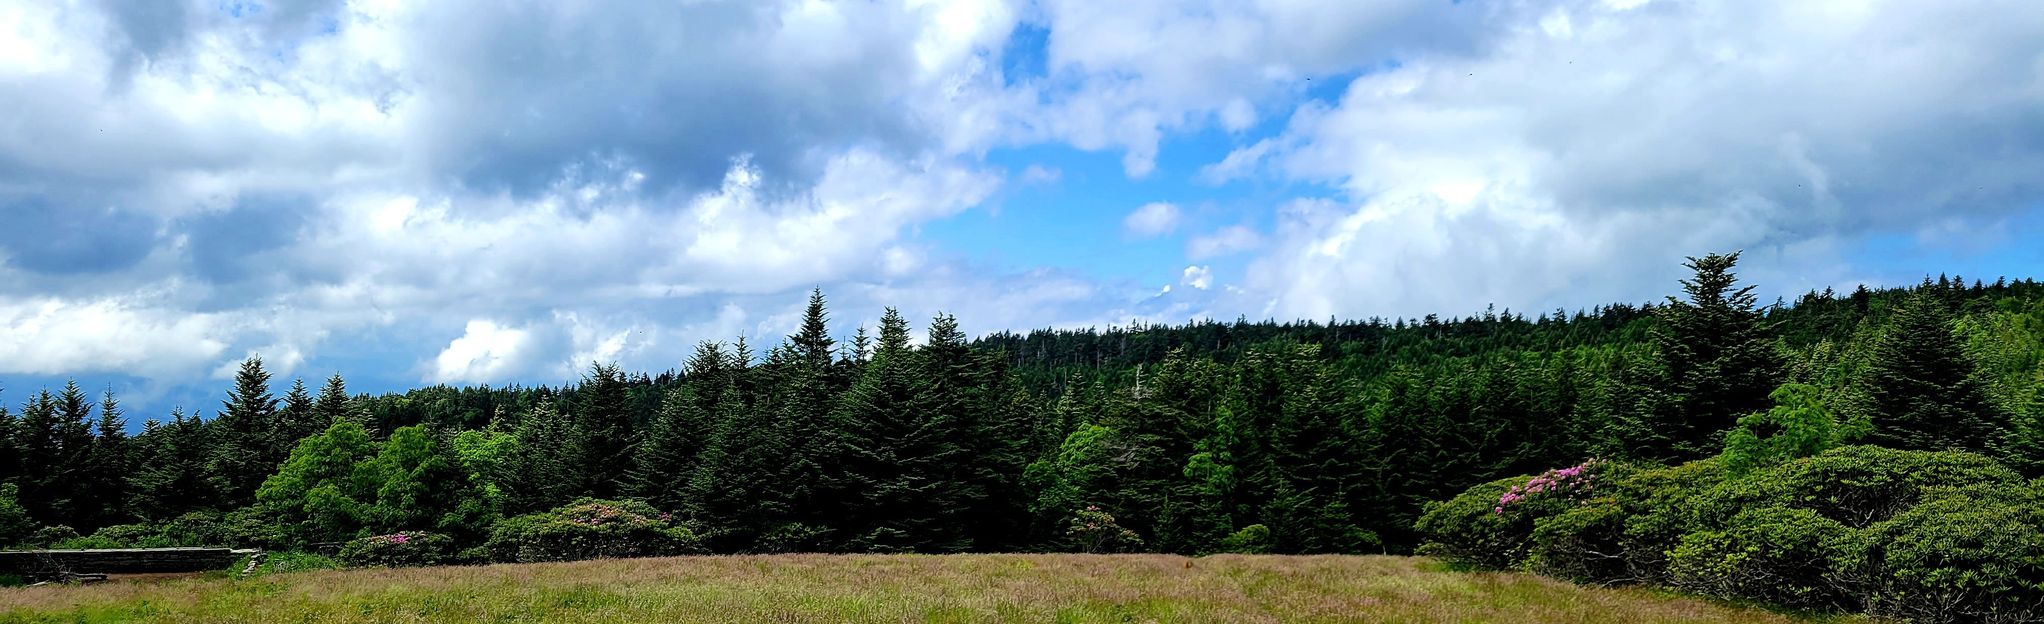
(858,588)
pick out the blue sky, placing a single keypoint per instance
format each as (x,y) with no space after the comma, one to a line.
(471,192)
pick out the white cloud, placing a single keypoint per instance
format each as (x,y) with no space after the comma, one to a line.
(485,352)
(49,335)
(1225,241)
(1152,219)
(1585,148)
(1196,276)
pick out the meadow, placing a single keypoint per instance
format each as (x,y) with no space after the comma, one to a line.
(880,588)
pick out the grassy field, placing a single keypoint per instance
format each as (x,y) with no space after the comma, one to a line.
(862,588)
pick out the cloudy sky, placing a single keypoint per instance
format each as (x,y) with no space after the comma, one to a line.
(493,192)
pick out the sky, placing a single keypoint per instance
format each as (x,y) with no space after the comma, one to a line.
(491,192)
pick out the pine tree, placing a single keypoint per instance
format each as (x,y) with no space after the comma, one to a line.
(243,453)
(333,405)
(171,475)
(737,493)
(111,462)
(603,431)
(1924,390)
(56,453)
(541,472)
(10,452)
(297,420)
(665,458)
(1719,361)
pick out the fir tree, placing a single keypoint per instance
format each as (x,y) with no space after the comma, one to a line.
(1719,361)
(171,476)
(333,404)
(296,420)
(1924,391)
(603,431)
(541,472)
(111,462)
(244,451)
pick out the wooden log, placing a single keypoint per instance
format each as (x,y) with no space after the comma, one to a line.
(115,561)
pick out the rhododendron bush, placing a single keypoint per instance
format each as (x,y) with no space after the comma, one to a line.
(589,529)
(1918,535)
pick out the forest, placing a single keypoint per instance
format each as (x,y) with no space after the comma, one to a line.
(1346,436)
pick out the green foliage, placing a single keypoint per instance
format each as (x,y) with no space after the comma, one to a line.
(1095,531)
(324,490)
(1719,361)
(1776,555)
(1854,485)
(1471,530)
(1585,544)
(284,562)
(15,525)
(1251,540)
(404,548)
(1797,426)
(589,529)
(1923,385)
(1973,554)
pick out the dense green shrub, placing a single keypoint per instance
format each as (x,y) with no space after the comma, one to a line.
(405,548)
(1491,526)
(286,561)
(1660,508)
(1585,544)
(1973,554)
(1251,540)
(1855,485)
(589,529)
(1777,555)
(15,525)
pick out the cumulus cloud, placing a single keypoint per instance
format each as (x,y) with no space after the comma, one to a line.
(1152,219)
(1608,140)
(1197,277)
(485,351)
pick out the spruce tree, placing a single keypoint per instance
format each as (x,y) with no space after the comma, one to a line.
(1924,392)
(295,421)
(665,458)
(603,431)
(1719,360)
(111,463)
(171,476)
(542,471)
(10,452)
(738,494)
(333,405)
(243,452)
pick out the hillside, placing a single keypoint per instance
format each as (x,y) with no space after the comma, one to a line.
(880,588)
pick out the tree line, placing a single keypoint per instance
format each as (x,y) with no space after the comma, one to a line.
(1300,437)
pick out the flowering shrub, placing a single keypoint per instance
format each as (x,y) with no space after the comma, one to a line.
(1572,483)
(589,529)
(406,548)
(1096,531)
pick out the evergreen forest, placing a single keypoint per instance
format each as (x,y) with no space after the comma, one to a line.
(1344,436)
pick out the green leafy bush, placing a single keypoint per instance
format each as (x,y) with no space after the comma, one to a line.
(405,548)
(1468,530)
(1777,555)
(1585,544)
(1251,540)
(287,561)
(1855,485)
(589,529)
(1972,554)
